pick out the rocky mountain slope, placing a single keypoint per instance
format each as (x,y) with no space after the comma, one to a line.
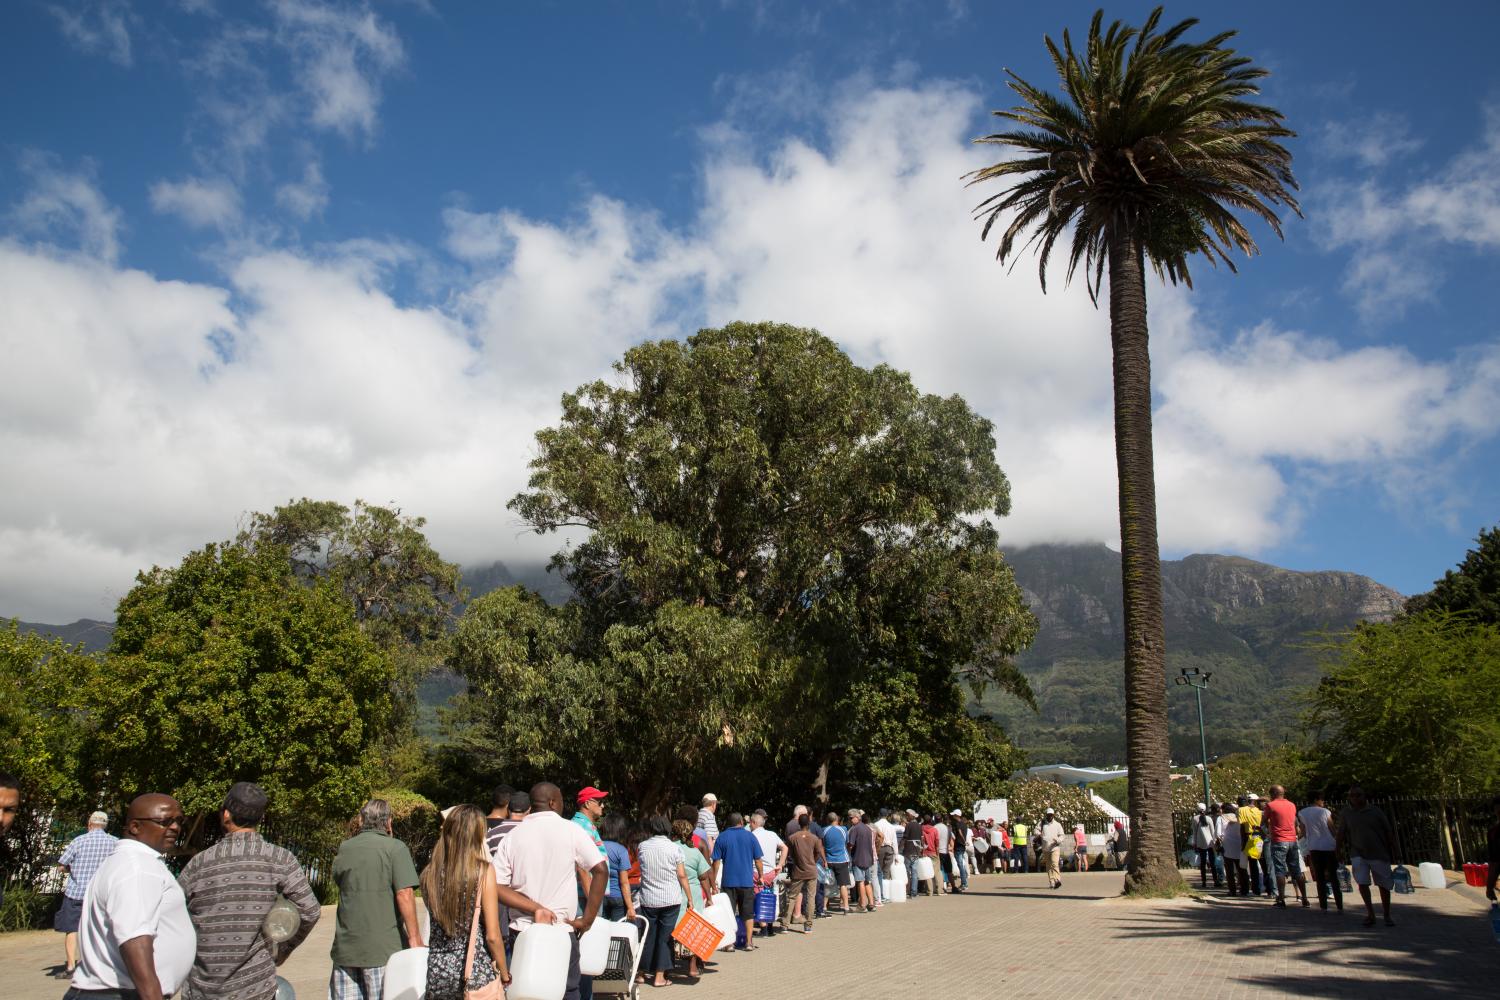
(1252,625)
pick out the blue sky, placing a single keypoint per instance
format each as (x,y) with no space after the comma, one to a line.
(250,251)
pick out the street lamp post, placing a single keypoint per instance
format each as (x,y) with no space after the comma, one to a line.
(1198,681)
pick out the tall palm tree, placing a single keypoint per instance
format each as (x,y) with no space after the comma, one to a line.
(1147,157)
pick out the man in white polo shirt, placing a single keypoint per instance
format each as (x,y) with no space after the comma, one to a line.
(136,939)
(536,869)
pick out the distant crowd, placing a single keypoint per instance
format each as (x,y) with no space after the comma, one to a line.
(1254,848)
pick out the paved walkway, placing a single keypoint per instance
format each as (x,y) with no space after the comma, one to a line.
(1013,936)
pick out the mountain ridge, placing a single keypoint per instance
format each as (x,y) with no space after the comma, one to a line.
(1256,627)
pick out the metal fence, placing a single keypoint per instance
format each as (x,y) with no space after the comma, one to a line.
(1418,823)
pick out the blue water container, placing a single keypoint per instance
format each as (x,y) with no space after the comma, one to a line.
(1402,879)
(1346,882)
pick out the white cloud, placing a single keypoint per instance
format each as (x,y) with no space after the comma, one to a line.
(198,201)
(66,205)
(307,197)
(1392,232)
(101,26)
(304,374)
(340,53)
(1372,141)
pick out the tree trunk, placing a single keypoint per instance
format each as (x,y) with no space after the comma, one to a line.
(1152,867)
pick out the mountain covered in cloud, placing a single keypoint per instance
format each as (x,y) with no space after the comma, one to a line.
(1254,626)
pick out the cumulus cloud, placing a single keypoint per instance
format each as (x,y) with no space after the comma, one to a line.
(307,373)
(200,202)
(97,26)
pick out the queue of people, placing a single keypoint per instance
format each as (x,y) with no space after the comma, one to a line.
(1254,847)
(132,930)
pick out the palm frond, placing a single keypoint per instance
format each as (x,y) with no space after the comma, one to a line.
(1153,137)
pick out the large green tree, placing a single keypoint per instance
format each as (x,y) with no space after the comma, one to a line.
(227,667)
(1145,158)
(783,532)
(1408,707)
(404,596)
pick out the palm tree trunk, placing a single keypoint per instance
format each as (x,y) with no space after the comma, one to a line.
(1152,867)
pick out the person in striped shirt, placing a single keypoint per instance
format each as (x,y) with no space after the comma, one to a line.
(230,888)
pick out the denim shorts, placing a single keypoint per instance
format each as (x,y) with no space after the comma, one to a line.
(869,874)
(1286,859)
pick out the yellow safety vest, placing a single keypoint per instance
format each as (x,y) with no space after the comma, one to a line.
(1018,834)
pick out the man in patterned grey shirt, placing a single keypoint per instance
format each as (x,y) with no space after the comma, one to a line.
(230,888)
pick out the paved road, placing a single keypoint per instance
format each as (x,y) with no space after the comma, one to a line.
(1013,936)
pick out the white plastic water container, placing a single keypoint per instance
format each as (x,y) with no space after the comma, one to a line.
(895,890)
(1432,875)
(924,869)
(593,947)
(539,964)
(720,913)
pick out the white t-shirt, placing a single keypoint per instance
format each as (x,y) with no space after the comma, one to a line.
(540,858)
(890,833)
(1230,835)
(942,832)
(769,843)
(1315,822)
(133,895)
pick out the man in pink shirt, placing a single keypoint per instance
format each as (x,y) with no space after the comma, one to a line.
(536,869)
(1280,820)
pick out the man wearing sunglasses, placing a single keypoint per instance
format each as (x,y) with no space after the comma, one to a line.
(136,941)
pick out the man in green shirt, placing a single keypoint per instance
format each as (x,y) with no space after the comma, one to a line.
(375,876)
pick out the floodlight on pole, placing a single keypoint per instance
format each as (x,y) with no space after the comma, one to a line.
(1198,681)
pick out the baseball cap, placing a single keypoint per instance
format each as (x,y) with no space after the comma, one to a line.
(1049,810)
(956,812)
(912,813)
(590,793)
(99,817)
(1202,807)
(710,797)
(1254,797)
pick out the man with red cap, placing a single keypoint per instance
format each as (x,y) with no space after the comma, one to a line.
(590,808)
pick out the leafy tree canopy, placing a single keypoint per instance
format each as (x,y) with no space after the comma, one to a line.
(770,527)
(1408,707)
(402,591)
(227,668)
(404,596)
(1473,588)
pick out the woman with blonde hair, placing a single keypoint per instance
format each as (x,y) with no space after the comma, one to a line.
(458,886)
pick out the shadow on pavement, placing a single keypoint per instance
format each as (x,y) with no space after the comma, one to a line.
(1432,952)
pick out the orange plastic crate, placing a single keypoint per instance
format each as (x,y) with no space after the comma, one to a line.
(697,935)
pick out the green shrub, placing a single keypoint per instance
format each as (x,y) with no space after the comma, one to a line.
(415,821)
(25,909)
